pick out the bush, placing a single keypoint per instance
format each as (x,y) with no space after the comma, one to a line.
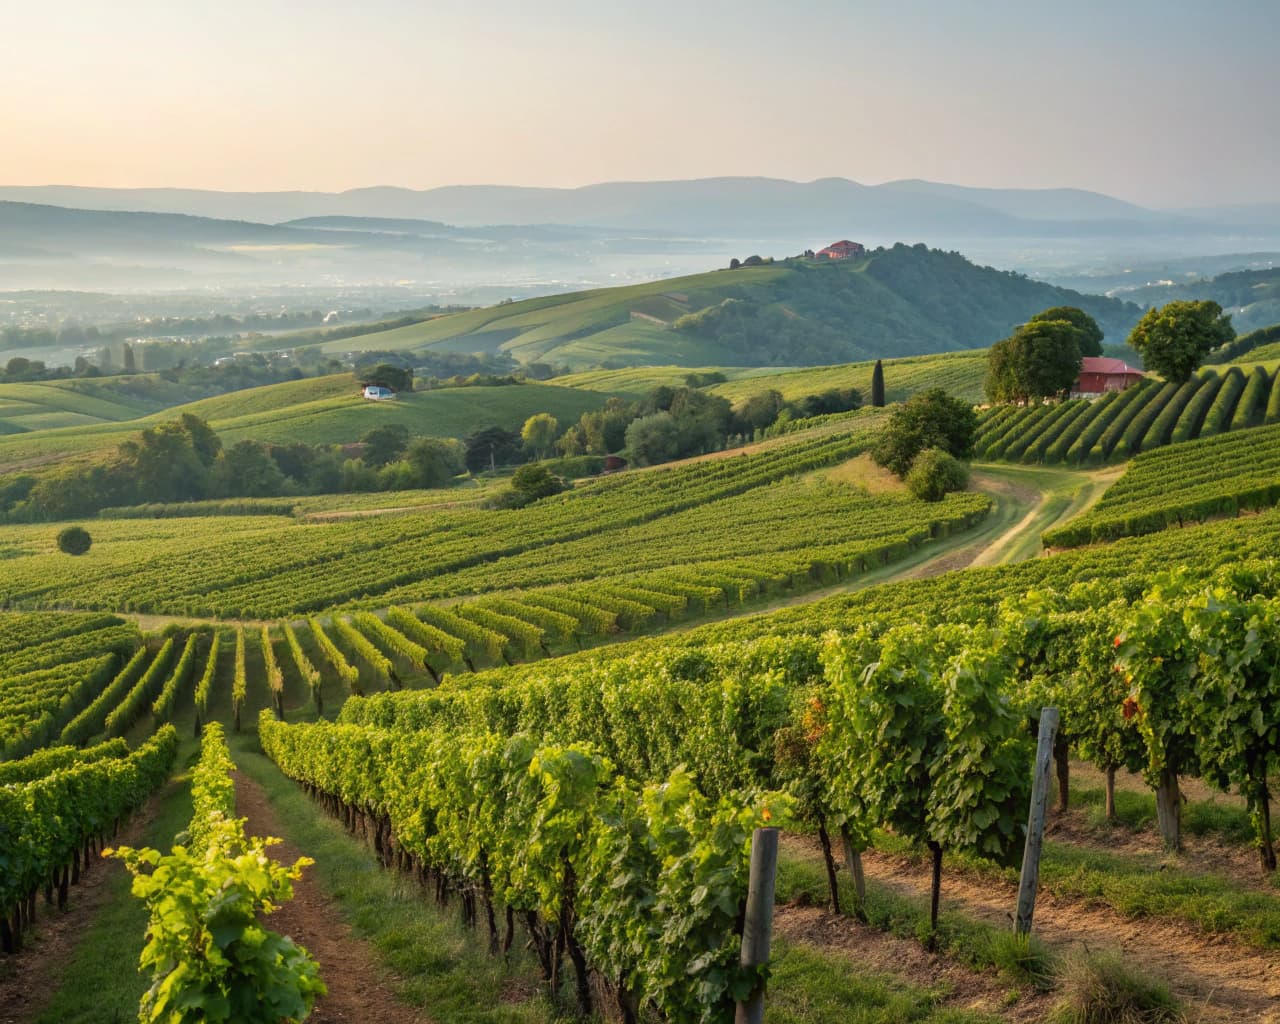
(74,540)
(932,419)
(936,473)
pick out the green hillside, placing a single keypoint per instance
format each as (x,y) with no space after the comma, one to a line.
(960,373)
(1252,297)
(42,405)
(319,410)
(907,300)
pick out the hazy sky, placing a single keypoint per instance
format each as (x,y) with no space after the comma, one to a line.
(1164,103)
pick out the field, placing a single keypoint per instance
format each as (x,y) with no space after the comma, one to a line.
(554,729)
(71,403)
(320,410)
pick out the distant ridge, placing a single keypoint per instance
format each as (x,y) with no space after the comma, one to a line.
(729,206)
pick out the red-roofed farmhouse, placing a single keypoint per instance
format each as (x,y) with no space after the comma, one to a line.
(842,250)
(1098,375)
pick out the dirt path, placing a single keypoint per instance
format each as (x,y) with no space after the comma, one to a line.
(358,988)
(29,980)
(872,950)
(1221,980)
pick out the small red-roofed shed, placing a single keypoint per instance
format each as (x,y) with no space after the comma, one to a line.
(1098,375)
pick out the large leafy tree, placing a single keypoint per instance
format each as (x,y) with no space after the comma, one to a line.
(539,433)
(1174,339)
(931,419)
(1089,334)
(1040,359)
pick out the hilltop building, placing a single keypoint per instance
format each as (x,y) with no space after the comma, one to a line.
(842,250)
(1098,375)
(377,393)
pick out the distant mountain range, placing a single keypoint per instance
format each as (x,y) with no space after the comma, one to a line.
(533,240)
(729,207)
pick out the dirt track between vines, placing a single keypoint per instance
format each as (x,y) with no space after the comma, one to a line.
(358,984)
(1221,980)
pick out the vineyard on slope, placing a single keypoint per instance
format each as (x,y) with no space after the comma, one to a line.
(1139,419)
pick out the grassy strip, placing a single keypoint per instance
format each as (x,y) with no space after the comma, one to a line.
(102,984)
(1137,811)
(807,987)
(976,944)
(1144,885)
(437,963)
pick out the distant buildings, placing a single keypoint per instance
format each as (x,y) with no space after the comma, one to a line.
(1098,375)
(842,250)
(377,393)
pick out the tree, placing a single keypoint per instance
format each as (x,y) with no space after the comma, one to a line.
(931,419)
(246,470)
(935,474)
(1040,359)
(1089,336)
(758,411)
(384,444)
(397,378)
(877,385)
(129,365)
(434,461)
(533,481)
(539,433)
(1174,339)
(492,447)
(74,540)
(653,439)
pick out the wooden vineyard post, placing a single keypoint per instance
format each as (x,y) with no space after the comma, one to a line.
(1030,880)
(757,928)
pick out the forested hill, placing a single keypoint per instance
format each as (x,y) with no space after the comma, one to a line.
(1252,297)
(905,300)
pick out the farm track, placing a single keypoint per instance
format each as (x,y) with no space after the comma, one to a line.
(29,980)
(1221,980)
(349,966)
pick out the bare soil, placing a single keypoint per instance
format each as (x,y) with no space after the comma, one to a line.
(1221,980)
(359,987)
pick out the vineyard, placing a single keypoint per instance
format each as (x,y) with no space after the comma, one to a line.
(755,516)
(1121,424)
(1181,484)
(521,720)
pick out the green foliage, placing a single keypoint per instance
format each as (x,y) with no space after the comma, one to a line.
(930,420)
(877,385)
(1088,333)
(935,474)
(1040,359)
(74,540)
(1175,339)
(208,954)
(534,482)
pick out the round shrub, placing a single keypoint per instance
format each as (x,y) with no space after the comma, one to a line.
(935,473)
(74,540)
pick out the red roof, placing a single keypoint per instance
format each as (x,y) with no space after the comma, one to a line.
(1103,365)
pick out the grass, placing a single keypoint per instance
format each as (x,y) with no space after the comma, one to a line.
(436,962)
(807,987)
(1100,989)
(975,944)
(1136,886)
(1137,812)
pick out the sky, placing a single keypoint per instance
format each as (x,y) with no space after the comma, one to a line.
(1167,104)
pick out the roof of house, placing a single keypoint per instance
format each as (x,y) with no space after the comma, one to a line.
(1105,366)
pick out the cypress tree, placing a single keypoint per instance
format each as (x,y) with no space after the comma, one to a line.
(877,386)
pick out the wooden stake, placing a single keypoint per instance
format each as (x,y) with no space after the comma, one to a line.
(757,928)
(1030,880)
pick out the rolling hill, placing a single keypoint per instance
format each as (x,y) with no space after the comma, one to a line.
(906,300)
